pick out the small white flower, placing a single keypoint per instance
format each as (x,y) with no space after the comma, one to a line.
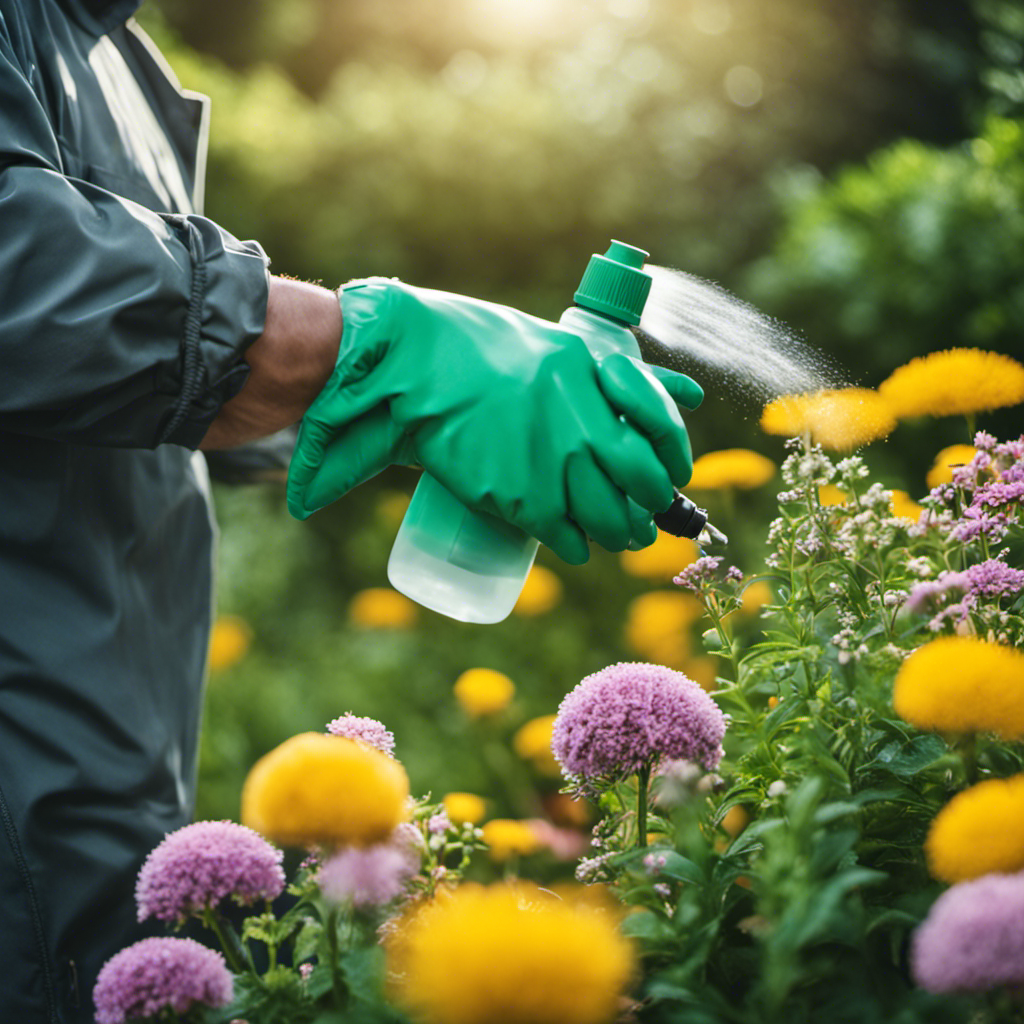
(777,788)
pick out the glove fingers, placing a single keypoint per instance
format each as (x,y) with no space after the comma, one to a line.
(685,391)
(365,447)
(566,539)
(642,531)
(596,504)
(638,396)
(634,467)
(306,458)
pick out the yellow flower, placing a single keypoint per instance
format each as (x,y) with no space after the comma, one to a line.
(786,415)
(382,608)
(320,789)
(979,832)
(736,820)
(947,459)
(532,742)
(465,807)
(731,467)
(661,560)
(229,642)
(702,670)
(510,955)
(542,591)
(755,596)
(829,494)
(657,625)
(962,684)
(483,691)
(839,420)
(957,381)
(507,837)
(904,507)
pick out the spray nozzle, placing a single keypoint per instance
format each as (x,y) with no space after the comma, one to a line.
(684,519)
(615,284)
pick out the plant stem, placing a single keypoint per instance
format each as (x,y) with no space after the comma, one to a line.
(231,945)
(337,982)
(643,781)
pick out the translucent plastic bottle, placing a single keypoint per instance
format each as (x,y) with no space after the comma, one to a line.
(472,566)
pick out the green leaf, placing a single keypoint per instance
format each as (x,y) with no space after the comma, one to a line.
(680,867)
(647,926)
(905,760)
(364,972)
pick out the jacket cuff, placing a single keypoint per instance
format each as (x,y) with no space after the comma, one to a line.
(226,313)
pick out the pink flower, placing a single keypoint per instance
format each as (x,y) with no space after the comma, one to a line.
(632,715)
(160,974)
(973,937)
(369,730)
(369,876)
(202,864)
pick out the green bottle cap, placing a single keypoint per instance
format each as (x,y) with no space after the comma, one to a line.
(614,284)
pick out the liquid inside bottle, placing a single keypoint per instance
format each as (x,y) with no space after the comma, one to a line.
(467,565)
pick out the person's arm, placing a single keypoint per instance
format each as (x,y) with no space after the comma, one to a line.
(290,363)
(118,326)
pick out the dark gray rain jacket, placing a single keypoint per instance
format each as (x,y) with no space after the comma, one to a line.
(123,319)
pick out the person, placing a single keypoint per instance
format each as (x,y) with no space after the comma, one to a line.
(135,331)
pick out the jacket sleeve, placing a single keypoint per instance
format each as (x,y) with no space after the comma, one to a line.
(118,326)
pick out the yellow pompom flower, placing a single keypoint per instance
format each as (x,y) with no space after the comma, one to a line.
(829,494)
(661,560)
(510,955)
(483,691)
(736,820)
(904,506)
(786,416)
(979,832)
(839,420)
(755,596)
(532,742)
(541,592)
(731,467)
(958,684)
(465,807)
(657,625)
(702,670)
(229,642)
(329,790)
(382,608)
(506,837)
(954,382)
(946,461)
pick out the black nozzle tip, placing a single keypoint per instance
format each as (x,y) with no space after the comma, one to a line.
(682,518)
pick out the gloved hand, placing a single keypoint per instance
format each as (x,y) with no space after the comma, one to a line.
(510,413)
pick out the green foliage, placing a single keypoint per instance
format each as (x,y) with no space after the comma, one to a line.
(918,250)
(806,913)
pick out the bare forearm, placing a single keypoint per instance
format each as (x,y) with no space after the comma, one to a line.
(290,363)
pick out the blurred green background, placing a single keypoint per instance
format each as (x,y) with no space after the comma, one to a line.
(852,169)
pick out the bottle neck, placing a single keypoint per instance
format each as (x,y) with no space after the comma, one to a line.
(602,334)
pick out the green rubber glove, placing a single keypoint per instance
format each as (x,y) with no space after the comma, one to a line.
(511,413)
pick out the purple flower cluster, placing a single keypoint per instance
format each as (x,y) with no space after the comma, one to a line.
(370,876)
(632,715)
(155,975)
(369,730)
(995,480)
(988,580)
(698,574)
(973,937)
(201,864)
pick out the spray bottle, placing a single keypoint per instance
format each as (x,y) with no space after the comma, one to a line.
(472,566)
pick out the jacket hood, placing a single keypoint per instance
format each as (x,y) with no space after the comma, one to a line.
(100,16)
